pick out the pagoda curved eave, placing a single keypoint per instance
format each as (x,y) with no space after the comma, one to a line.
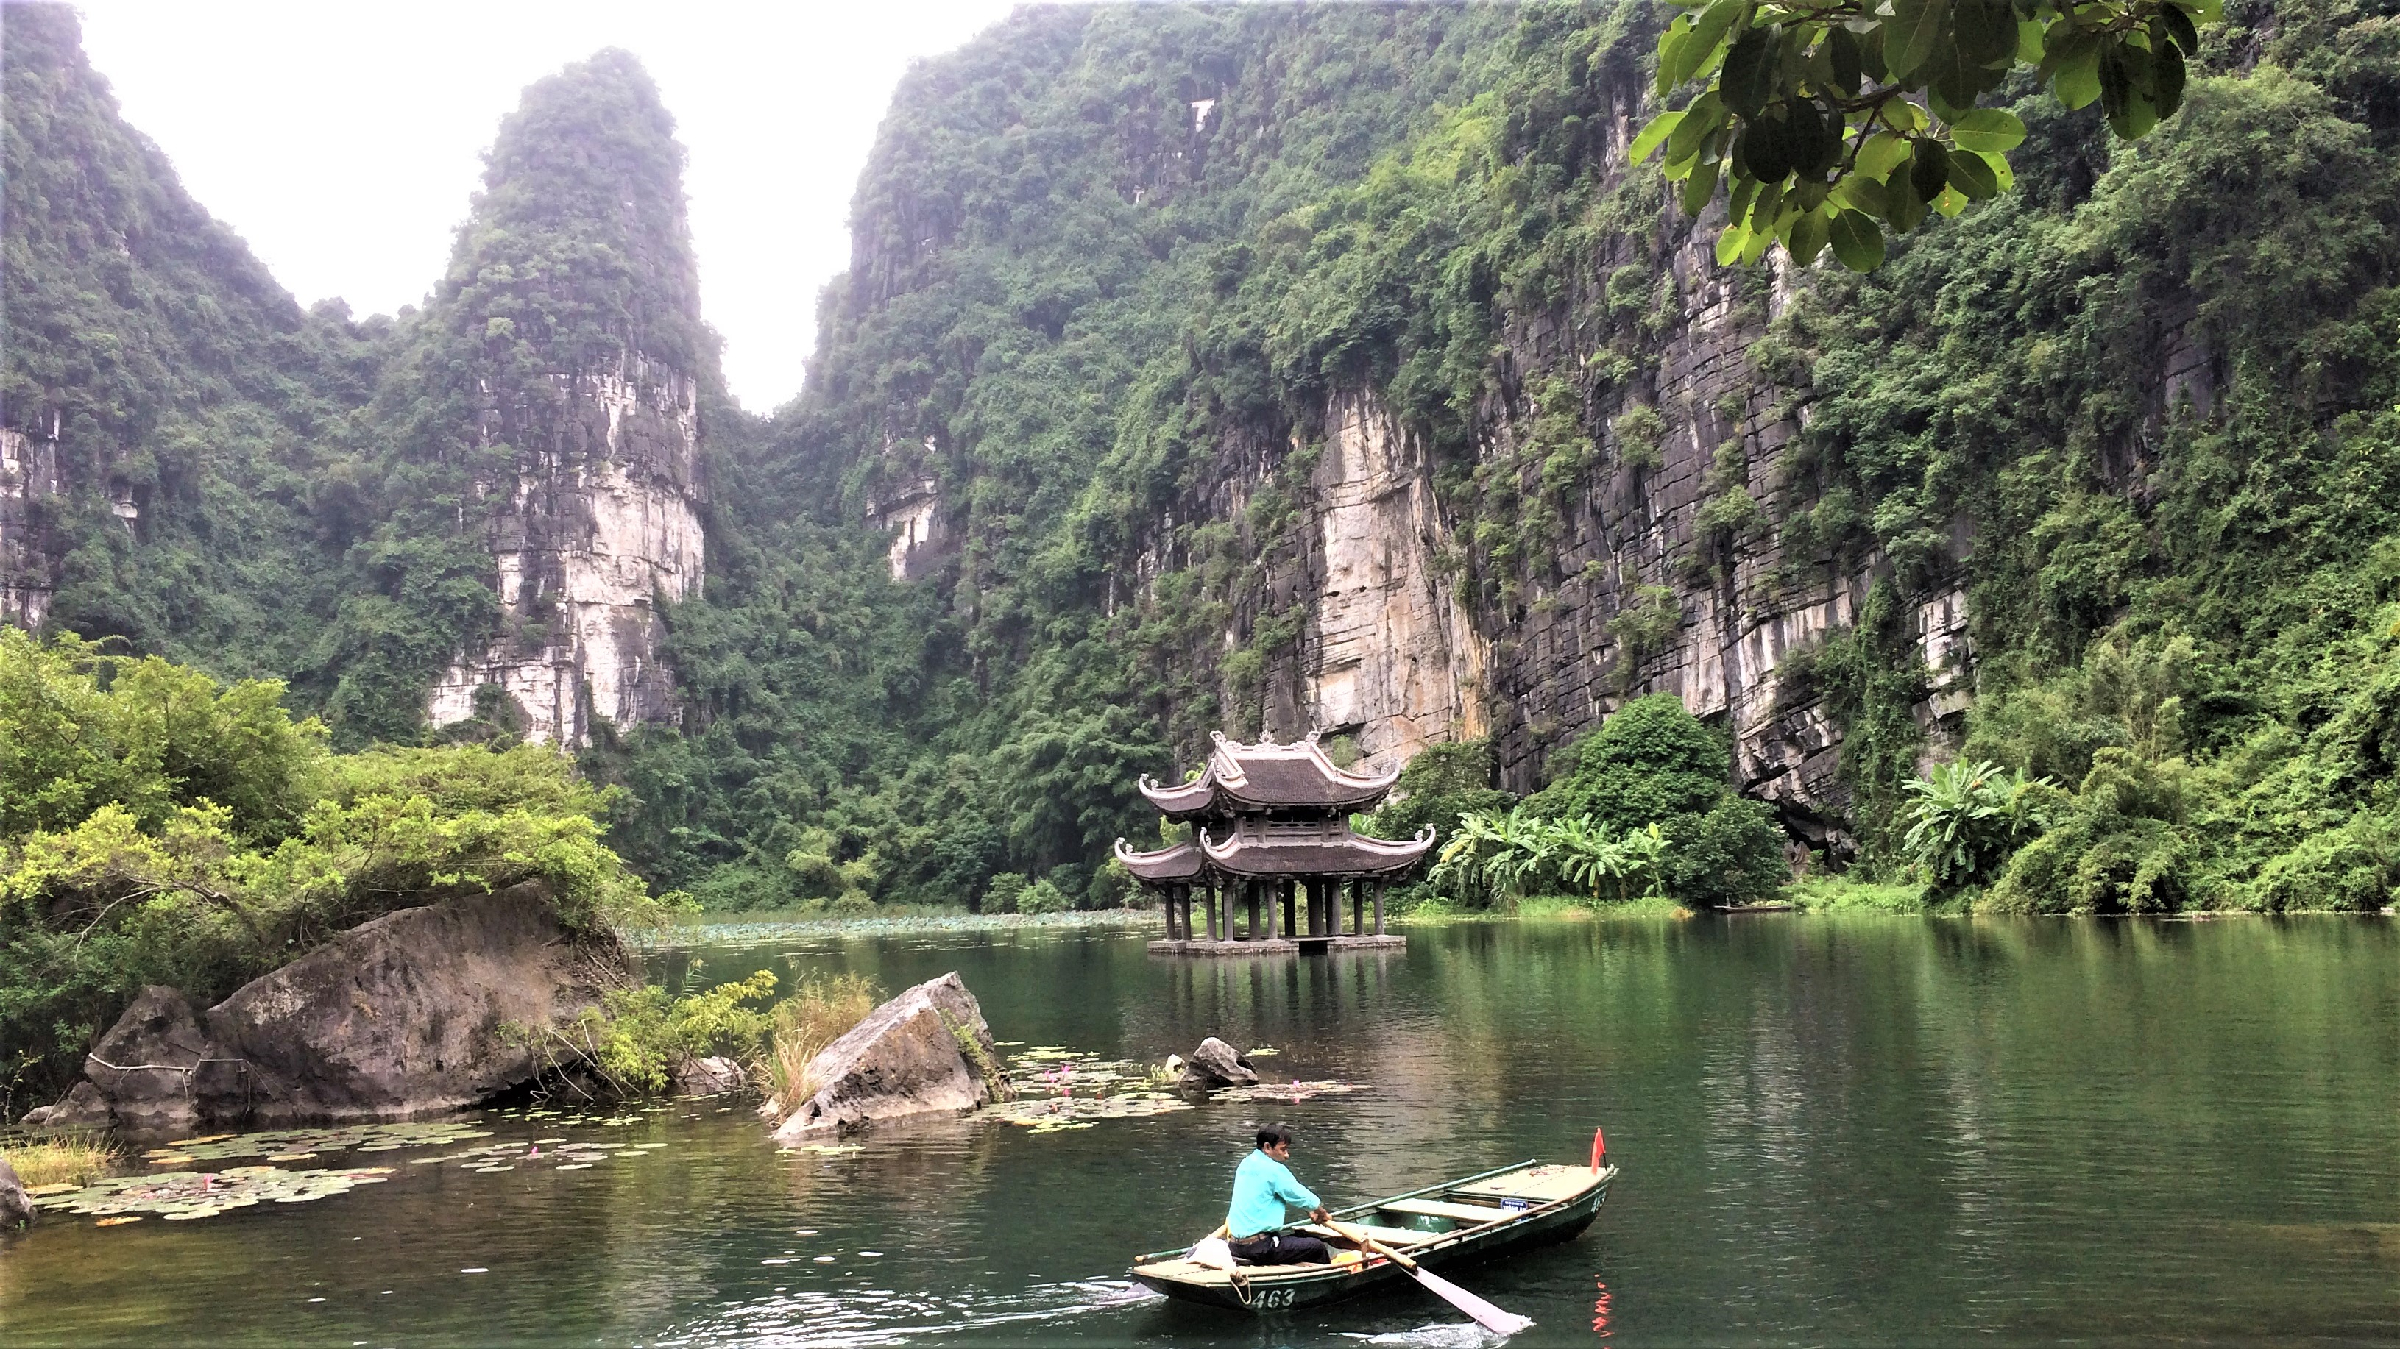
(1179,863)
(1350,857)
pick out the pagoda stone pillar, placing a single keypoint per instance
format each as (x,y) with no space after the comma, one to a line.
(1378,908)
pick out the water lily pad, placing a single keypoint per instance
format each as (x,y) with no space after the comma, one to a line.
(181,1196)
(300,1144)
(576,1166)
(55,1187)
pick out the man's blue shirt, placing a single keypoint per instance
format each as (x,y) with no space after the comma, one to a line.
(1261,1187)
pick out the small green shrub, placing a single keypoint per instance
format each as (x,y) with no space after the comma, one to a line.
(1442,784)
(1043,897)
(638,1037)
(1965,819)
(1004,892)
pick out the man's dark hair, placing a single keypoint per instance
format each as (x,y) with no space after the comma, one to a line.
(1271,1134)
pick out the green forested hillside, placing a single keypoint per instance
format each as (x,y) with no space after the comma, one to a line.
(202,401)
(1046,232)
(1111,263)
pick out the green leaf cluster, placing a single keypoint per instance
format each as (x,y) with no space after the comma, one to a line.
(638,1038)
(1829,121)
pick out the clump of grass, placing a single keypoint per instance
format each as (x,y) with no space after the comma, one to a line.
(819,1013)
(69,1159)
(1822,894)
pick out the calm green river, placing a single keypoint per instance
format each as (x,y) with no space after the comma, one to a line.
(1833,1131)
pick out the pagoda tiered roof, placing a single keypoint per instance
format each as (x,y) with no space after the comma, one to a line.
(1247,779)
(1271,850)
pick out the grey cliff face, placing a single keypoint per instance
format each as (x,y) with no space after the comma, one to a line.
(599,526)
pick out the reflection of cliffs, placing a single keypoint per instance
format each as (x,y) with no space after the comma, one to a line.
(598,526)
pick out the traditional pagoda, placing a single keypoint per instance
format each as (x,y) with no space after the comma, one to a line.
(1272,832)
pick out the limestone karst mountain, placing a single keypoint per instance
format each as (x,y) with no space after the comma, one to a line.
(1263,368)
(467,513)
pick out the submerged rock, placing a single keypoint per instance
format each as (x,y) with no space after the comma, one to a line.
(425,1009)
(1214,1064)
(15,1209)
(925,1051)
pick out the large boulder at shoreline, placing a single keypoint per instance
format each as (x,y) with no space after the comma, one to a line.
(158,1068)
(1215,1064)
(923,1052)
(16,1210)
(421,1010)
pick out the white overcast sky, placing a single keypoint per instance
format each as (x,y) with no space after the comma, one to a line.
(342,140)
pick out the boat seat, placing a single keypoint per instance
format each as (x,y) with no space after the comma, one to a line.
(1435,1208)
(1389,1236)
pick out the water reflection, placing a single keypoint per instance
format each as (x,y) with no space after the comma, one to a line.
(1833,1130)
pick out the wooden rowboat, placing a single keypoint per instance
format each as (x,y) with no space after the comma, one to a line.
(1443,1227)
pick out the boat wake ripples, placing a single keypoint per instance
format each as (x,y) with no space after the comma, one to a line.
(810,1318)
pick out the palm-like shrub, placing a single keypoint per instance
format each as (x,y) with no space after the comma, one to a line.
(1595,855)
(1965,819)
(1518,854)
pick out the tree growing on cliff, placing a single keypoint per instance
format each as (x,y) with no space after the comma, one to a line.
(1829,121)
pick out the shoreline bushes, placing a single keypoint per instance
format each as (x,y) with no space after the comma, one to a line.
(1645,808)
(158,827)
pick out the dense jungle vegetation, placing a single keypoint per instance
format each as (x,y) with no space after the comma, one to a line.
(158,827)
(1110,265)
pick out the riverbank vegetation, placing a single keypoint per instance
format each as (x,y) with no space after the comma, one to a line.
(158,827)
(1643,811)
(62,1159)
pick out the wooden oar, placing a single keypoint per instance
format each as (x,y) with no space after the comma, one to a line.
(1486,1315)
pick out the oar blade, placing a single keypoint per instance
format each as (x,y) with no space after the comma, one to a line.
(1491,1318)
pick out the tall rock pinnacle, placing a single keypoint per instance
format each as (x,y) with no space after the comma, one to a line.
(562,367)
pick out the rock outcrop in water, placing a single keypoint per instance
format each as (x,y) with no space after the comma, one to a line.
(924,1052)
(16,1210)
(1215,1064)
(426,1009)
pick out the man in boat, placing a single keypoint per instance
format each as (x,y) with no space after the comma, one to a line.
(1262,1186)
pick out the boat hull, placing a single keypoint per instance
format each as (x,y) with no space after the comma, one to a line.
(1280,1288)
